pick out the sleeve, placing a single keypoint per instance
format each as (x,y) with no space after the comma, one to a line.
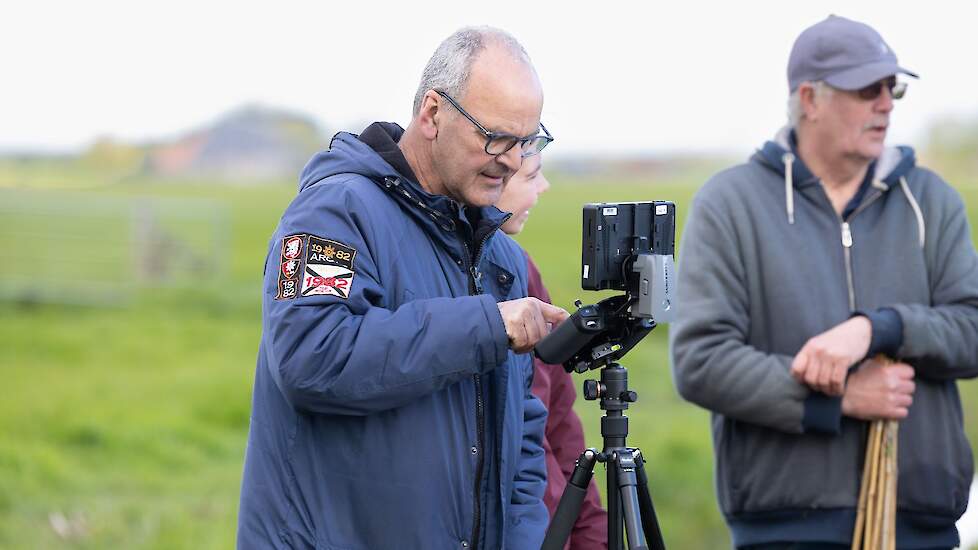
(528,513)
(713,366)
(940,339)
(332,347)
(887,331)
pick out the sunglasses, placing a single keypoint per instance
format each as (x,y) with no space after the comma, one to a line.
(498,143)
(873,91)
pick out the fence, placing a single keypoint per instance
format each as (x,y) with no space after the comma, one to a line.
(88,248)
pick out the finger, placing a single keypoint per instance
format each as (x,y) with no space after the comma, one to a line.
(902,400)
(900,413)
(833,383)
(812,373)
(799,364)
(520,337)
(839,379)
(534,326)
(529,331)
(512,330)
(540,321)
(902,370)
(825,375)
(553,313)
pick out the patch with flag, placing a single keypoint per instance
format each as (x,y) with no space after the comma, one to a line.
(290,260)
(329,268)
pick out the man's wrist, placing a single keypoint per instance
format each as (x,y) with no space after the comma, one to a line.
(886,331)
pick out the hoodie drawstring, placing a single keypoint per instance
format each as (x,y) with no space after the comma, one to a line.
(789,197)
(916,209)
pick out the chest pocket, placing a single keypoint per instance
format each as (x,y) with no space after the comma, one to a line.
(499,281)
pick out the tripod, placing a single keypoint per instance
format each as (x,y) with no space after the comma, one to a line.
(629,500)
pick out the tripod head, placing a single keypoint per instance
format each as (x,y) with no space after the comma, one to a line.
(626,246)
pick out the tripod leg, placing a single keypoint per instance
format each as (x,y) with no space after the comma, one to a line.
(615,533)
(570,502)
(628,489)
(650,522)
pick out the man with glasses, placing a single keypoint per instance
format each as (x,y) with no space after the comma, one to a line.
(826,283)
(392,404)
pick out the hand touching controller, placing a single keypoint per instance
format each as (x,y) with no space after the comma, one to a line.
(528,320)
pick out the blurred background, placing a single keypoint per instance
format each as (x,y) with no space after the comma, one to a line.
(147,152)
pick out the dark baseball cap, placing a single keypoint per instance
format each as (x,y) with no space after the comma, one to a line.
(846,54)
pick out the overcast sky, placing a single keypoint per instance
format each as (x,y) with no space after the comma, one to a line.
(656,77)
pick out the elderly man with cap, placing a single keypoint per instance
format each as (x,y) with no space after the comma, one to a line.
(828,282)
(392,402)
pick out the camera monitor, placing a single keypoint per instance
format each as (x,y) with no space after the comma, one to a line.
(626,246)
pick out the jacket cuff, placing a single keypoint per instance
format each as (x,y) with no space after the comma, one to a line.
(823,414)
(887,331)
(500,341)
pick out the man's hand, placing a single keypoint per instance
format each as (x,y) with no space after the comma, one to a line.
(825,359)
(527,321)
(878,390)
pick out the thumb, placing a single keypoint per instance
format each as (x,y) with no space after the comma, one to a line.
(552,313)
(799,364)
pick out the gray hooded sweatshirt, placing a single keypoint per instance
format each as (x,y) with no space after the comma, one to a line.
(765,264)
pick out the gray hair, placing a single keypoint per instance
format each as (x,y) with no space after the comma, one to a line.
(795,112)
(448,69)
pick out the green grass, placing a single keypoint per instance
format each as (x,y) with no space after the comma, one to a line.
(131,422)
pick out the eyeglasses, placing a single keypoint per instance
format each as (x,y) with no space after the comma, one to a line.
(498,143)
(873,91)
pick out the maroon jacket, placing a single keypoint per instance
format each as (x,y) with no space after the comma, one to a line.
(563,439)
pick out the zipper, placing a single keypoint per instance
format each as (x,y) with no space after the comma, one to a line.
(480,418)
(847,246)
(480,414)
(847,249)
(475,288)
(394,185)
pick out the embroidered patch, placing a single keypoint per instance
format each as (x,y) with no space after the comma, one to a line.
(287,289)
(289,270)
(292,247)
(329,268)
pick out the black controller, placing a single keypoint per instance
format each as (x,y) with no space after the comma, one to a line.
(594,335)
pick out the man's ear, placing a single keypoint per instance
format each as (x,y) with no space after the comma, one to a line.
(806,96)
(429,115)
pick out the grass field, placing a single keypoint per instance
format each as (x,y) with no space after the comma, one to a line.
(125,427)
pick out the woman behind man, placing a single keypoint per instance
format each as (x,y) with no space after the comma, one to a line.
(564,435)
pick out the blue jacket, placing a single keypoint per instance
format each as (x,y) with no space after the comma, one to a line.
(384,374)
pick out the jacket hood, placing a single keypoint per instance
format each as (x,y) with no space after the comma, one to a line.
(348,154)
(889,170)
(893,164)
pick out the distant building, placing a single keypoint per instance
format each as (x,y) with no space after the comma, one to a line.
(249,144)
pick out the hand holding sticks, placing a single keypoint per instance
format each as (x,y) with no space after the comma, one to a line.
(876,513)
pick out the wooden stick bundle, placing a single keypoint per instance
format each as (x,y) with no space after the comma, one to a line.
(876,511)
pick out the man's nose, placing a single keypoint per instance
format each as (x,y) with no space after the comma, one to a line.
(511,159)
(884,103)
